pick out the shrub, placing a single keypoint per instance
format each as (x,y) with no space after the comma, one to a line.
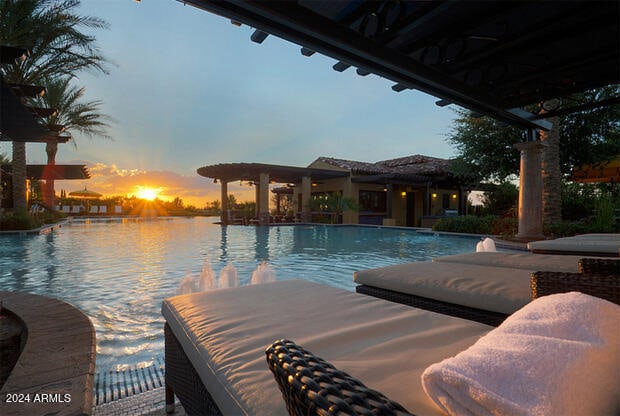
(577,201)
(501,199)
(466,224)
(19,220)
(567,229)
(604,220)
(506,227)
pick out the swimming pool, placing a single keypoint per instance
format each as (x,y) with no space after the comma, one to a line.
(118,271)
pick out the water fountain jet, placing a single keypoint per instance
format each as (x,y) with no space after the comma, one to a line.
(263,273)
(228,277)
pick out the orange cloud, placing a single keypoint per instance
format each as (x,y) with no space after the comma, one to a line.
(196,190)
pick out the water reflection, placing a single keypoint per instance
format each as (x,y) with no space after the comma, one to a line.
(118,272)
(262,243)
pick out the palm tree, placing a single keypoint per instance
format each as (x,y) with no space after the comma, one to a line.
(551,174)
(73,114)
(50,29)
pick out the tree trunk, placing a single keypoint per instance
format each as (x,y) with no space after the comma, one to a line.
(19,176)
(1,189)
(51,148)
(551,174)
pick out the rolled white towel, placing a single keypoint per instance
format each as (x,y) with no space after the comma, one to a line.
(558,355)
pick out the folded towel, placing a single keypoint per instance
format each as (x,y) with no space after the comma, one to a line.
(558,355)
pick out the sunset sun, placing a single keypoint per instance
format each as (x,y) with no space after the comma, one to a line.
(147,193)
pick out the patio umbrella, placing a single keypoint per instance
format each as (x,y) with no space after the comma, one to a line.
(85,194)
(607,171)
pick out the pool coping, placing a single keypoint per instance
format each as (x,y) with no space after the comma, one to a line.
(41,230)
(55,371)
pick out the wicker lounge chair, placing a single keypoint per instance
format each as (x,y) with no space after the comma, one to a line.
(426,295)
(600,266)
(213,340)
(311,385)
(481,293)
(215,343)
(603,245)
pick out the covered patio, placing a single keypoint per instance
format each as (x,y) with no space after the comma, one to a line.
(262,175)
(494,58)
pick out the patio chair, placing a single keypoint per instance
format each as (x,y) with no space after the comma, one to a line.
(602,245)
(103,209)
(311,385)
(118,209)
(602,266)
(213,341)
(94,209)
(468,286)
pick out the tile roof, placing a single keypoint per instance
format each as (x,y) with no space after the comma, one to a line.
(414,164)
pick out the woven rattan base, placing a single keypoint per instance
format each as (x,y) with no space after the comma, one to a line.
(183,381)
(604,286)
(465,312)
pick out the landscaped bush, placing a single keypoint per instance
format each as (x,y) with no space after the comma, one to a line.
(466,224)
(506,227)
(567,229)
(19,220)
(604,220)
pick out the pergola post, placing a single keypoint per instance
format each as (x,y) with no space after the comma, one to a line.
(530,190)
(388,200)
(263,199)
(306,194)
(224,217)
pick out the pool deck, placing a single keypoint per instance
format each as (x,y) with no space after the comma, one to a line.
(150,403)
(41,230)
(54,371)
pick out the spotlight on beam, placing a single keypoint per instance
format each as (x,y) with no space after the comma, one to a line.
(236,23)
(399,87)
(341,66)
(307,52)
(362,72)
(442,103)
(259,36)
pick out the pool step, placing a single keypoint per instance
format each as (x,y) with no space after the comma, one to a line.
(114,385)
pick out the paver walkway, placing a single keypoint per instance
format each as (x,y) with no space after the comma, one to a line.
(151,403)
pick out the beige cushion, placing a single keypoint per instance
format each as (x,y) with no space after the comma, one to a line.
(384,344)
(525,260)
(586,243)
(497,289)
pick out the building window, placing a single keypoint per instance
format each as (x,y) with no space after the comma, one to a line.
(445,201)
(372,201)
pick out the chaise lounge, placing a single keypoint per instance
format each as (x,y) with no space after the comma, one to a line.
(486,287)
(605,245)
(215,341)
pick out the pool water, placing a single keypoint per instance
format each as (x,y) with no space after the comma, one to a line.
(118,271)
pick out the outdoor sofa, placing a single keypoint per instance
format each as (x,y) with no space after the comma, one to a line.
(216,341)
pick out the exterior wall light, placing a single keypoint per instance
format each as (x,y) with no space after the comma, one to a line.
(434,195)
(453,196)
(403,194)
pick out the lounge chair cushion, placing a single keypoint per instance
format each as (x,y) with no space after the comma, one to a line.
(525,260)
(560,354)
(496,289)
(601,244)
(387,345)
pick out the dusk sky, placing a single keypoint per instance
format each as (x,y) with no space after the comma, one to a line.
(189,89)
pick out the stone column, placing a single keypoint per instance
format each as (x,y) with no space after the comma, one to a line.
(263,199)
(257,199)
(224,202)
(530,191)
(350,190)
(306,194)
